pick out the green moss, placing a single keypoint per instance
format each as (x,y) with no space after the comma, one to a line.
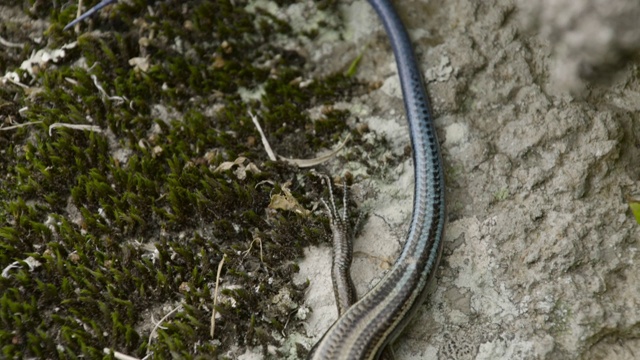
(135,217)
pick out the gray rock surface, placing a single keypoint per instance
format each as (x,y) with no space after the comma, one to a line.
(591,40)
(541,250)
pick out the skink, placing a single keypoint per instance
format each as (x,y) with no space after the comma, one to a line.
(90,12)
(364,330)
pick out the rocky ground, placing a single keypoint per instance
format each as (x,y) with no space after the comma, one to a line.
(536,104)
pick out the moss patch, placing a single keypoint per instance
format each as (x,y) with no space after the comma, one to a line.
(97,229)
